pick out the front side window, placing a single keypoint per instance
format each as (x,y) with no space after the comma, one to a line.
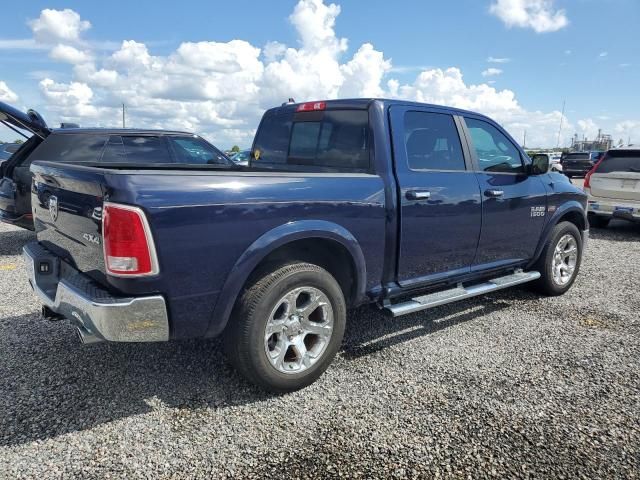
(193,151)
(494,150)
(432,142)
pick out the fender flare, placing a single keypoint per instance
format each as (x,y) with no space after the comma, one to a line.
(269,242)
(562,210)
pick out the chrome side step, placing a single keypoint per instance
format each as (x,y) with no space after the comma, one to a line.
(460,293)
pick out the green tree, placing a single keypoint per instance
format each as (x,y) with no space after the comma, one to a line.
(235,148)
(19,140)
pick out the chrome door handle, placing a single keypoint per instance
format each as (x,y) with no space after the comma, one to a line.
(418,195)
(494,193)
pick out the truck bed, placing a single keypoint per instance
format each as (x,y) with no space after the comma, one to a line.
(202,221)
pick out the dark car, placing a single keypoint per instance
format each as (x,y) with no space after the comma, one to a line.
(345,202)
(116,147)
(8,149)
(577,164)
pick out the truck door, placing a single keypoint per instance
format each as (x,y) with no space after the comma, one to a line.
(440,203)
(514,203)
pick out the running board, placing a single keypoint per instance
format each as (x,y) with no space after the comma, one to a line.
(460,293)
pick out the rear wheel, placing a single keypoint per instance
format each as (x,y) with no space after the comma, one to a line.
(287,327)
(598,221)
(560,260)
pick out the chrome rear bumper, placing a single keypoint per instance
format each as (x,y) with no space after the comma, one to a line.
(97,313)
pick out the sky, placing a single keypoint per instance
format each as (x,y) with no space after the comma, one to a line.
(214,67)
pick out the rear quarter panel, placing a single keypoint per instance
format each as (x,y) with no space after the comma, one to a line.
(203,224)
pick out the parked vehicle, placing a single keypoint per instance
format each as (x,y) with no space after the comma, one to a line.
(8,149)
(241,158)
(70,144)
(346,202)
(577,164)
(613,187)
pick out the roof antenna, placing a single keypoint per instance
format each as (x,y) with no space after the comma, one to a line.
(289,102)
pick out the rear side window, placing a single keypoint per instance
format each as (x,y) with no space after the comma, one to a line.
(495,151)
(145,149)
(432,142)
(314,141)
(620,161)
(72,148)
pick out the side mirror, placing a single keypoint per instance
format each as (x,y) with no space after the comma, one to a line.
(539,164)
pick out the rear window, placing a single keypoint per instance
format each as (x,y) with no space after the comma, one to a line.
(334,140)
(577,156)
(70,148)
(620,161)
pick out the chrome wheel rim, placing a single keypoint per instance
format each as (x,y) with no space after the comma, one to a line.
(298,330)
(565,258)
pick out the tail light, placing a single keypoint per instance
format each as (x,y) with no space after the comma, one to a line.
(129,250)
(587,177)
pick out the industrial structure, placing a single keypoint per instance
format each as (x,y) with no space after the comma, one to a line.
(602,143)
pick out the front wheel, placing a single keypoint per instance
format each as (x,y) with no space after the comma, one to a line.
(560,259)
(287,327)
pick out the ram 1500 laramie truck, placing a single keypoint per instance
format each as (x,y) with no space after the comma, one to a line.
(345,202)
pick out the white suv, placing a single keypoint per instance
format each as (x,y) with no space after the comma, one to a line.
(613,186)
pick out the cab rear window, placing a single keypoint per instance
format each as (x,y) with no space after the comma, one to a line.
(620,161)
(334,140)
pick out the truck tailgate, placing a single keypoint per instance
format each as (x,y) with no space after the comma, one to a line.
(67,205)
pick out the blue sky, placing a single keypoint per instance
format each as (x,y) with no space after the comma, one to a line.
(588,55)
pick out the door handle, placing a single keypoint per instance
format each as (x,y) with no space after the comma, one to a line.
(418,195)
(494,193)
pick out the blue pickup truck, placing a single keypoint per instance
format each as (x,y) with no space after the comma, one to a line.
(346,202)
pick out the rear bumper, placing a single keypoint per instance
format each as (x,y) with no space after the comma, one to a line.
(623,209)
(96,312)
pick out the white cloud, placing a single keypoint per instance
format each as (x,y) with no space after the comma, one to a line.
(58,26)
(625,65)
(491,72)
(6,94)
(629,130)
(568,52)
(21,44)
(539,15)
(588,128)
(69,54)
(602,55)
(220,89)
(498,60)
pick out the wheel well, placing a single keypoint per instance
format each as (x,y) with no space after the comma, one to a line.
(328,254)
(576,218)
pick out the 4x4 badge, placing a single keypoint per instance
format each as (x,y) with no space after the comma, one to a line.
(53,207)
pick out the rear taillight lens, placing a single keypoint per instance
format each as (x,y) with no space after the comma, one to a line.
(128,245)
(587,177)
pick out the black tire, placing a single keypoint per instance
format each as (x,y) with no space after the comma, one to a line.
(546,284)
(244,338)
(599,221)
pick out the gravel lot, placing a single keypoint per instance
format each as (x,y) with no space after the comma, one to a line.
(503,385)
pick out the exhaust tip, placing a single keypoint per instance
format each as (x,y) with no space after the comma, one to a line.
(49,314)
(86,337)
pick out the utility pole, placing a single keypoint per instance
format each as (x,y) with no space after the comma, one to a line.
(524,140)
(123,121)
(560,129)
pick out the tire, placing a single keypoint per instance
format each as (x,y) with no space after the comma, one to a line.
(305,337)
(599,221)
(549,284)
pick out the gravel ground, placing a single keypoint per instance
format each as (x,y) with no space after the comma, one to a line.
(507,384)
